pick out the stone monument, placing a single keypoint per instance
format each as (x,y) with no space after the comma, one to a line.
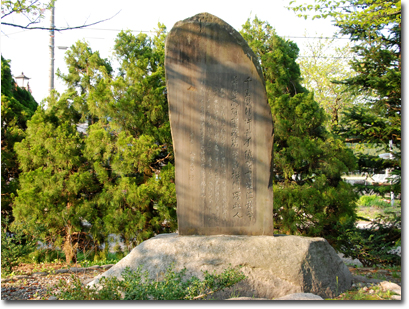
(222,130)
(222,133)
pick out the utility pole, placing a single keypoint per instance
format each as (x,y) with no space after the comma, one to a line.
(52,26)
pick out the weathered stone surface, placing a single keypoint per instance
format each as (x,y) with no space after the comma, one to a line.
(61,271)
(222,130)
(386,285)
(274,265)
(246,298)
(24,276)
(77,269)
(300,296)
(349,261)
(363,279)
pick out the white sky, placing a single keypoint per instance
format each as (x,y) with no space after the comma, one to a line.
(28,50)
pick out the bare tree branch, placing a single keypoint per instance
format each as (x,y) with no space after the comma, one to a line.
(57,29)
(7,14)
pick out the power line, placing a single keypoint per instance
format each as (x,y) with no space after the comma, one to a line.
(285,36)
(325,57)
(121,30)
(5,34)
(314,37)
(152,31)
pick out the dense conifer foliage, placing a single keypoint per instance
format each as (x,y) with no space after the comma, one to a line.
(309,194)
(374,29)
(98,158)
(17,106)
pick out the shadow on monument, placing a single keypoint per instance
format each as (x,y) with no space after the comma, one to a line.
(222,131)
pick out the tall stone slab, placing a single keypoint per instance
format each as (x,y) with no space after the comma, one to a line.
(222,130)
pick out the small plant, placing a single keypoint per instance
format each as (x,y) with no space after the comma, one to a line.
(336,286)
(136,285)
(396,275)
(112,259)
(371,293)
(97,258)
(379,276)
(46,255)
(235,294)
(102,255)
(119,252)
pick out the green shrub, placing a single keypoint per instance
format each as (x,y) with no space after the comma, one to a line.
(102,255)
(119,252)
(96,258)
(85,256)
(136,285)
(45,255)
(14,245)
(371,246)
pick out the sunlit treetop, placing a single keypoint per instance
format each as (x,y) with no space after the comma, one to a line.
(364,13)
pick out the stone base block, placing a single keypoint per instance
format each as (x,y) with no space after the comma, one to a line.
(275,266)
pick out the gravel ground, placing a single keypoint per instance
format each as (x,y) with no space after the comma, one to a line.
(37,286)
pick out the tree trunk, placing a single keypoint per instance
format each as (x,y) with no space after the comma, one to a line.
(69,248)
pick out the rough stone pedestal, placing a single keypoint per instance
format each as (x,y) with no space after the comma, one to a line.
(275,266)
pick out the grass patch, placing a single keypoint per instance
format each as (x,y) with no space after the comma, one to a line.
(373,206)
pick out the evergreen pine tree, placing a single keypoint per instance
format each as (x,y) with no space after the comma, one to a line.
(17,106)
(102,151)
(376,33)
(309,194)
(134,160)
(55,179)
(374,29)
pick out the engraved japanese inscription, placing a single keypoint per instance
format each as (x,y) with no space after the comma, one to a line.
(222,130)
